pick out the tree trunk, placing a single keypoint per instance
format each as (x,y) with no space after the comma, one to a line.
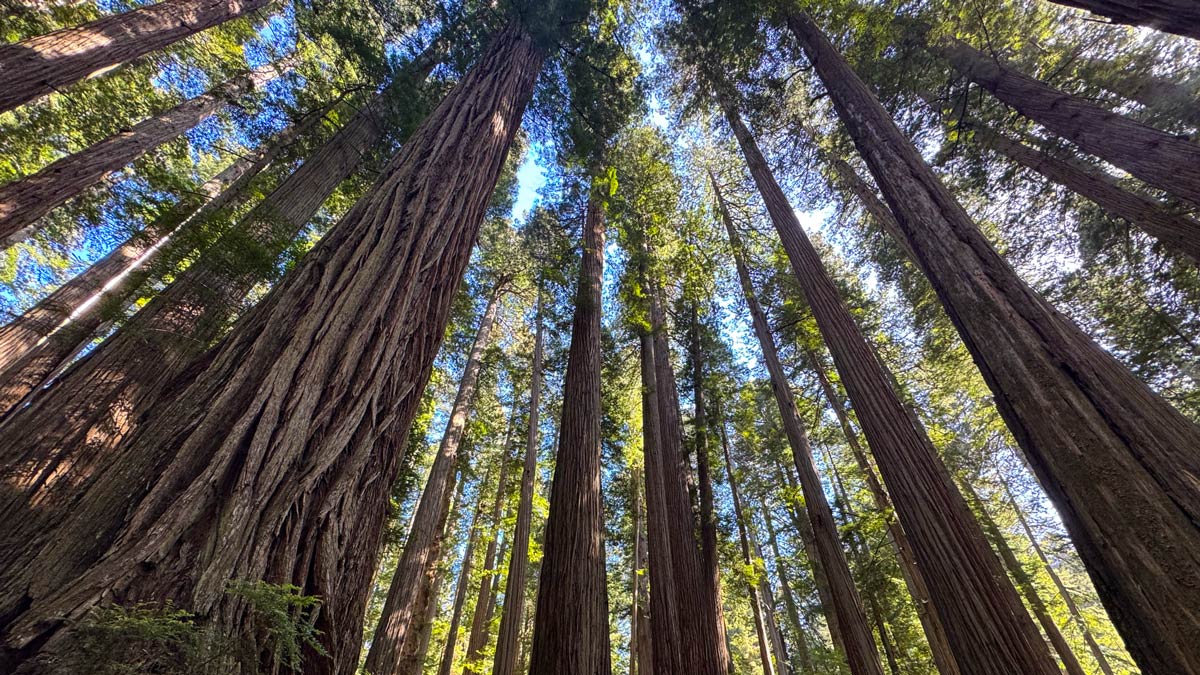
(1176,231)
(914,581)
(1161,159)
(460,593)
(482,619)
(283,442)
(48,335)
(82,419)
(1072,608)
(47,63)
(1181,17)
(1114,457)
(986,623)
(390,653)
(779,645)
(570,632)
(858,642)
(508,639)
(1016,570)
(637,626)
(698,607)
(1155,93)
(24,201)
(430,603)
(764,646)
(664,624)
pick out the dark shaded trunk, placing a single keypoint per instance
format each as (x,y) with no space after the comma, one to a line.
(82,419)
(756,607)
(1017,571)
(460,594)
(914,581)
(1114,457)
(1072,608)
(1181,17)
(47,336)
(508,638)
(431,604)
(640,658)
(664,625)
(393,647)
(1176,232)
(1164,160)
(482,618)
(987,626)
(23,202)
(696,602)
(857,641)
(570,632)
(50,62)
(275,457)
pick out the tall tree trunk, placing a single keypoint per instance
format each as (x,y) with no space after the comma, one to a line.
(570,632)
(637,627)
(645,641)
(1072,608)
(698,607)
(283,442)
(760,629)
(914,581)
(24,201)
(858,642)
(508,639)
(1017,571)
(398,626)
(779,645)
(1164,160)
(1090,429)
(430,603)
(50,62)
(664,624)
(44,338)
(1157,94)
(985,621)
(460,592)
(1181,17)
(482,619)
(93,406)
(1176,231)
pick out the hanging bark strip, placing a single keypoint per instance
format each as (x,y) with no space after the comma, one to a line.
(570,631)
(25,201)
(1181,17)
(47,63)
(858,643)
(1117,460)
(987,625)
(507,647)
(393,650)
(284,442)
(1166,161)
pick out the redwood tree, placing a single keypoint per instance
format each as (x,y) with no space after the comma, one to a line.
(1114,457)
(1181,17)
(46,63)
(274,458)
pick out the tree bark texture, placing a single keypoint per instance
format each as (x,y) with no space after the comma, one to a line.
(275,457)
(570,631)
(1117,460)
(481,620)
(1181,17)
(698,606)
(981,611)
(391,650)
(25,201)
(508,638)
(460,594)
(756,605)
(1176,231)
(1164,160)
(81,420)
(48,335)
(914,581)
(50,62)
(858,642)
(778,644)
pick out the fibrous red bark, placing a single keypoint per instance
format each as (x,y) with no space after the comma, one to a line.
(47,63)
(275,458)
(1114,457)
